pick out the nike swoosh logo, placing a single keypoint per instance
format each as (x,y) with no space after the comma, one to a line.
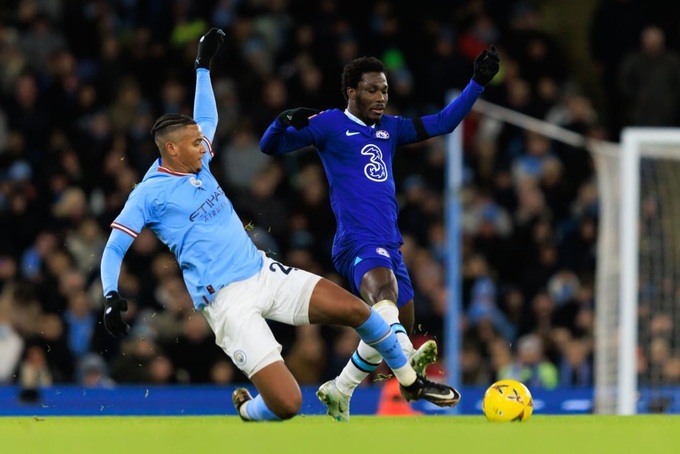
(348,133)
(450,395)
(289,117)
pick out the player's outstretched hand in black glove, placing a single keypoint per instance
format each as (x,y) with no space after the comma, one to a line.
(207,47)
(113,315)
(486,66)
(297,118)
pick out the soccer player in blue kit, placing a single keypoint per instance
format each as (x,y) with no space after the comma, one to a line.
(357,146)
(233,284)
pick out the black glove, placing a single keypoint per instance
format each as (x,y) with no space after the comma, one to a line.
(207,47)
(113,315)
(486,66)
(297,118)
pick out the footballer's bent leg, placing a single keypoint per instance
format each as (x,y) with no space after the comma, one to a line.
(279,395)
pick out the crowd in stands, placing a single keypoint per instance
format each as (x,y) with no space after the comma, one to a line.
(81,83)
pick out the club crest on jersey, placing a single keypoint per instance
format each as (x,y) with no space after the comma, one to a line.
(382,252)
(240,357)
(382,134)
(195,182)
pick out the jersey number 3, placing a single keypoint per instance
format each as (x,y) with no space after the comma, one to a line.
(375,170)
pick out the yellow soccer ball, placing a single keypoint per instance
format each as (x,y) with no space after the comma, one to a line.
(507,400)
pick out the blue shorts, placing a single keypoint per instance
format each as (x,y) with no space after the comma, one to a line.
(353,263)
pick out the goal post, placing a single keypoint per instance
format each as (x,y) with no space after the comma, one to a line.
(637,276)
(638,279)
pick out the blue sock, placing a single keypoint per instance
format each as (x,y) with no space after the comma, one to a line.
(376,332)
(361,364)
(398,328)
(257,410)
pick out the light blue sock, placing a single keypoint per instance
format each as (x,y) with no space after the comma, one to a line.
(376,332)
(257,410)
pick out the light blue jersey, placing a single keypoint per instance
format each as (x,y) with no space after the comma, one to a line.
(190,214)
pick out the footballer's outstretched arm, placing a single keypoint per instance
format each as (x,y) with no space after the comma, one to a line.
(485,68)
(279,138)
(450,117)
(205,105)
(112,259)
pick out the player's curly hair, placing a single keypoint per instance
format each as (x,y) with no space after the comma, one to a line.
(351,74)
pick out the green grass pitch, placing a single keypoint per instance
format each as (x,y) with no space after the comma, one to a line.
(363,434)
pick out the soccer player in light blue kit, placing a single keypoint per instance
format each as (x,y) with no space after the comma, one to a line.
(357,147)
(233,284)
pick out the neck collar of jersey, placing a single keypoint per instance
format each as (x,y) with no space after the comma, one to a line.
(356,119)
(172,172)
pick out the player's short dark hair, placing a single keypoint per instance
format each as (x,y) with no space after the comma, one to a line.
(351,74)
(170,122)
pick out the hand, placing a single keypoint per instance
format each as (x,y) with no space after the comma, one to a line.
(207,47)
(486,66)
(297,118)
(113,315)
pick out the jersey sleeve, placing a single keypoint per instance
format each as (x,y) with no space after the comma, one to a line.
(205,108)
(126,227)
(279,139)
(112,259)
(450,117)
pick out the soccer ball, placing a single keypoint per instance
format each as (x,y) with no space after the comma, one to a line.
(507,400)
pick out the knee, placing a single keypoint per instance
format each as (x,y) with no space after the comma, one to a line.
(288,406)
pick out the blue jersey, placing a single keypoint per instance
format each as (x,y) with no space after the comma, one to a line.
(358,159)
(190,214)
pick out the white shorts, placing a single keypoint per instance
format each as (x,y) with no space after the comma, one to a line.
(238,313)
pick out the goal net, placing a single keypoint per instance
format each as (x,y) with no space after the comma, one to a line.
(637,351)
(637,288)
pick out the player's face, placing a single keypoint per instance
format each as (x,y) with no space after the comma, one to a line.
(190,149)
(369,99)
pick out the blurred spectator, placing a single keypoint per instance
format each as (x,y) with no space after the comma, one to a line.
(242,158)
(11,346)
(93,372)
(531,367)
(80,320)
(306,357)
(223,372)
(483,305)
(33,370)
(649,80)
(576,368)
(194,351)
(137,353)
(55,339)
(614,31)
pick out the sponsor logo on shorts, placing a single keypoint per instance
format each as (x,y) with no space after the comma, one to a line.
(382,252)
(240,357)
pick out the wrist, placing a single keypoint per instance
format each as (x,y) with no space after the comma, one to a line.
(201,63)
(113,295)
